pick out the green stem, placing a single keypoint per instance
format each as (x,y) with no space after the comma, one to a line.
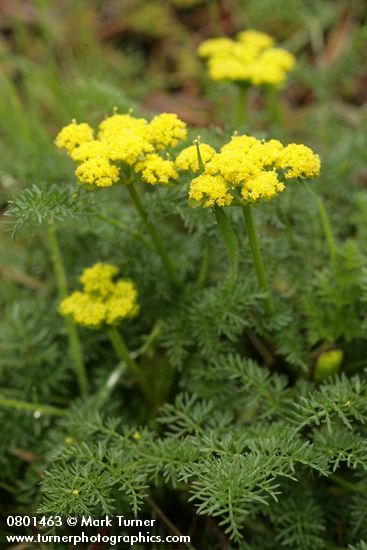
(258,261)
(107,388)
(241,115)
(123,353)
(230,241)
(354,487)
(151,338)
(272,104)
(35,407)
(9,488)
(200,158)
(121,226)
(156,238)
(74,342)
(204,269)
(325,222)
(57,262)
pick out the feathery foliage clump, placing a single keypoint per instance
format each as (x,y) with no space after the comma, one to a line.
(234,400)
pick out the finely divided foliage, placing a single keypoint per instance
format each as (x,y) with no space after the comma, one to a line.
(185,320)
(234,470)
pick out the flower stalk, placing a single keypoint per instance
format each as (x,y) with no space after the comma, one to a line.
(20,405)
(155,236)
(241,115)
(258,260)
(272,104)
(200,158)
(325,222)
(230,241)
(123,353)
(74,342)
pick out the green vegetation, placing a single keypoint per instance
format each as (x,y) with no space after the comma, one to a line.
(251,337)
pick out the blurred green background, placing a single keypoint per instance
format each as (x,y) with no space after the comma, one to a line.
(66,59)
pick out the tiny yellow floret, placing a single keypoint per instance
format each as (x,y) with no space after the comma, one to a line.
(90,149)
(188,158)
(154,169)
(257,39)
(98,172)
(249,169)
(129,147)
(125,143)
(98,279)
(85,310)
(300,161)
(103,300)
(252,59)
(121,304)
(73,135)
(166,130)
(264,186)
(213,46)
(210,190)
(113,128)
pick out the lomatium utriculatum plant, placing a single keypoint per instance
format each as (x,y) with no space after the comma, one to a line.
(243,175)
(104,304)
(216,328)
(246,171)
(252,60)
(126,146)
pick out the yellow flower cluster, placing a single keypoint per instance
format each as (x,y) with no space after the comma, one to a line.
(166,130)
(123,140)
(213,190)
(247,167)
(154,169)
(188,158)
(73,135)
(103,300)
(300,161)
(97,171)
(251,59)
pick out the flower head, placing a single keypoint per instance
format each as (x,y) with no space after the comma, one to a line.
(166,130)
(255,39)
(252,59)
(98,172)
(73,135)
(114,127)
(129,147)
(123,140)
(90,149)
(154,169)
(300,161)
(85,310)
(121,304)
(215,46)
(264,186)
(210,190)
(103,300)
(98,279)
(188,158)
(250,169)
(125,137)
